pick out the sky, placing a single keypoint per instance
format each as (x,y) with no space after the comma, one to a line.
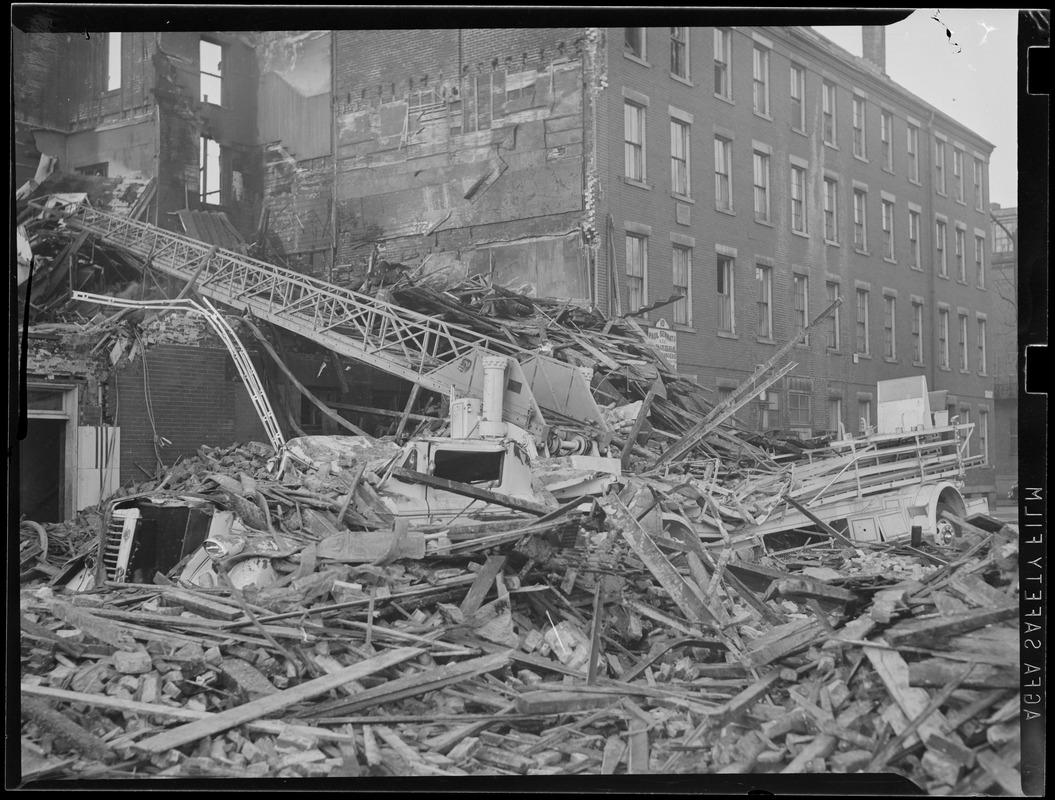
(965,64)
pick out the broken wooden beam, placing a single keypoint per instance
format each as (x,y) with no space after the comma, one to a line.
(468,490)
(925,631)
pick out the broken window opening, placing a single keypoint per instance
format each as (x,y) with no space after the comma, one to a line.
(210,64)
(113,61)
(209,173)
(100,170)
(471,466)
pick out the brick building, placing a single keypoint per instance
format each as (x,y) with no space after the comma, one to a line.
(757,173)
(1004,448)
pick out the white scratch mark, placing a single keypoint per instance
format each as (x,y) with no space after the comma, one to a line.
(988,30)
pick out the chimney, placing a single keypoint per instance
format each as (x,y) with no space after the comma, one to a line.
(874,45)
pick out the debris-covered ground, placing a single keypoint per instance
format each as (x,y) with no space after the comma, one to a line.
(619,618)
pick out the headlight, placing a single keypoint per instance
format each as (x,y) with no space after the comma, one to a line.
(218,547)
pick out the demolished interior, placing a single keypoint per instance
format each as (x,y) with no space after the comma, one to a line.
(555,556)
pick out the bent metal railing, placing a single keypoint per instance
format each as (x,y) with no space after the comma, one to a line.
(435,354)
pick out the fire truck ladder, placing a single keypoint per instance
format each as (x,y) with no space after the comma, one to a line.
(437,355)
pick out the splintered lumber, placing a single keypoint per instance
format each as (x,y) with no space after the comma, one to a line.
(412,685)
(658,564)
(631,439)
(484,579)
(468,490)
(801,588)
(821,747)
(925,631)
(255,709)
(97,628)
(934,672)
(65,730)
(201,605)
(784,640)
(549,702)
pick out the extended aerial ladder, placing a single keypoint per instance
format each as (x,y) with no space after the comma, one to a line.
(435,354)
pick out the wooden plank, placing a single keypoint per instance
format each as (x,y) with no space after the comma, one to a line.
(802,588)
(445,742)
(467,490)
(549,702)
(657,388)
(933,672)
(255,709)
(484,578)
(928,630)
(201,605)
(638,755)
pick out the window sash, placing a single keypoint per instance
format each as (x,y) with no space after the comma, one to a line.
(828,101)
(943,337)
(764,277)
(722,192)
(939,164)
(725,276)
(913,237)
(961,260)
(634,41)
(979,260)
(859,130)
(862,321)
(681,266)
(939,235)
(679,63)
(888,229)
(886,132)
(721,62)
(800,299)
(913,153)
(981,347)
(798,196)
(963,343)
(888,327)
(761,80)
(957,172)
(636,271)
(830,209)
(833,319)
(860,239)
(633,135)
(761,168)
(679,157)
(798,86)
(917,333)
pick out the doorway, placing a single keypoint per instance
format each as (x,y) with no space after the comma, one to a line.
(42,471)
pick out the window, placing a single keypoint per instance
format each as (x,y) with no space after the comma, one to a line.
(831,207)
(913,153)
(113,61)
(800,299)
(209,183)
(723,159)
(963,343)
(979,169)
(726,308)
(889,314)
(860,225)
(939,166)
(722,59)
(768,408)
(917,332)
(798,94)
(913,240)
(101,170)
(939,244)
(832,322)
(762,186)
(634,42)
(960,237)
(886,137)
(859,126)
(835,414)
(1003,236)
(764,277)
(798,199)
(862,321)
(979,260)
(636,271)
(211,64)
(981,346)
(761,80)
(943,338)
(634,137)
(957,173)
(864,415)
(799,412)
(681,260)
(983,434)
(679,52)
(828,115)
(888,229)
(679,157)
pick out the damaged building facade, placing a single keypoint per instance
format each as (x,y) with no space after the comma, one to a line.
(754,174)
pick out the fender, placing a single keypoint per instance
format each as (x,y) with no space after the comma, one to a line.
(932,497)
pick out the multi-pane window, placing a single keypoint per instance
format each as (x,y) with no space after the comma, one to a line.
(981,347)
(634,42)
(913,153)
(960,237)
(860,223)
(681,260)
(679,52)
(862,322)
(957,173)
(886,137)
(798,199)
(979,260)
(828,112)
(859,126)
(761,164)
(636,271)
(113,61)
(832,322)
(983,434)
(917,333)
(722,60)
(799,411)
(888,229)
(209,176)
(798,97)
(889,317)
(723,160)
(864,415)
(1004,236)
(913,239)
(760,78)
(943,338)
(979,171)
(831,208)
(634,138)
(211,72)
(963,343)
(939,244)
(726,297)
(764,278)
(939,166)
(800,301)
(835,414)
(679,157)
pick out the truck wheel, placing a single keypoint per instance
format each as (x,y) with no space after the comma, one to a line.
(944,530)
